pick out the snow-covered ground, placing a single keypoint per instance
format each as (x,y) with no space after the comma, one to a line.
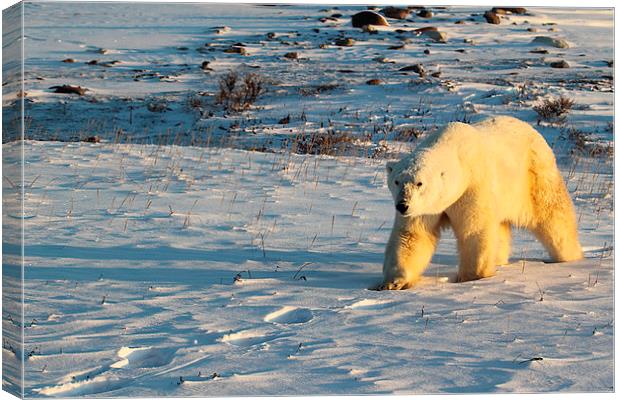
(167,270)
(151,268)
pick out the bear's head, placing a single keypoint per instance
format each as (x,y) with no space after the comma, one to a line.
(426,183)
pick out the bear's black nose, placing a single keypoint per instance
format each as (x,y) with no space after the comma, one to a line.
(402,207)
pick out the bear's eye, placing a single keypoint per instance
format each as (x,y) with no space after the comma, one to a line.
(396,183)
(419,184)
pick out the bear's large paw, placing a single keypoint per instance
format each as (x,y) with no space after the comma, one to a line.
(395,284)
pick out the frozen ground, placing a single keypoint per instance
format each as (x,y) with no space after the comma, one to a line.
(151,268)
(148,85)
(157,269)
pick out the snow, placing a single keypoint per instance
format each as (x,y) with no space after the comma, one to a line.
(160,263)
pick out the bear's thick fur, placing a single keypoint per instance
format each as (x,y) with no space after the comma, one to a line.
(481,180)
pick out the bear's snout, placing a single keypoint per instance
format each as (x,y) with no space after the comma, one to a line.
(402,207)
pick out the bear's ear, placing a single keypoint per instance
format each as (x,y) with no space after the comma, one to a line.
(390,166)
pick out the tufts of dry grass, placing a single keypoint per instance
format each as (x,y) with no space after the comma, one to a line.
(238,93)
(554,110)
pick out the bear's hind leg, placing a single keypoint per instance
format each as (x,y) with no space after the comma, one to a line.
(555,224)
(504,243)
(558,234)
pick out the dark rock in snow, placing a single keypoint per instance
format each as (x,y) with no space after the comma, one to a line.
(346,42)
(509,10)
(425,14)
(396,13)
(559,64)
(68,89)
(492,18)
(364,18)
(417,68)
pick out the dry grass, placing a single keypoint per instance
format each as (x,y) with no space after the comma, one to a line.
(238,93)
(554,110)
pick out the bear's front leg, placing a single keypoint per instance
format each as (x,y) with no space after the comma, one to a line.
(476,231)
(409,250)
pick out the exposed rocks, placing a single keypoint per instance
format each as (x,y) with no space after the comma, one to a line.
(492,18)
(549,41)
(532,29)
(539,51)
(374,82)
(285,120)
(433,33)
(68,89)
(396,13)
(220,30)
(384,60)
(92,139)
(345,42)
(559,64)
(509,10)
(236,50)
(427,52)
(364,18)
(424,13)
(417,68)
(68,60)
(293,55)
(205,66)
(397,47)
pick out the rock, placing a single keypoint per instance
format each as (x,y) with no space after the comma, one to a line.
(271,35)
(205,66)
(425,13)
(509,10)
(427,51)
(92,139)
(383,60)
(219,30)
(293,55)
(364,18)
(426,29)
(539,51)
(374,82)
(437,36)
(370,29)
(92,62)
(559,64)
(396,13)
(68,60)
(549,41)
(236,50)
(68,89)
(460,22)
(337,15)
(436,74)
(346,42)
(417,68)
(397,47)
(285,120)
(469,41)
(492,18)
(532,29)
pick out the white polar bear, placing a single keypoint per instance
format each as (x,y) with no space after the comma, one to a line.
(481,180)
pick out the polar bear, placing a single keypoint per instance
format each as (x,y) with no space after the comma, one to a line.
(481,180)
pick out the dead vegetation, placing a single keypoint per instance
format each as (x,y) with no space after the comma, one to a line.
(554,110)
(239,93)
